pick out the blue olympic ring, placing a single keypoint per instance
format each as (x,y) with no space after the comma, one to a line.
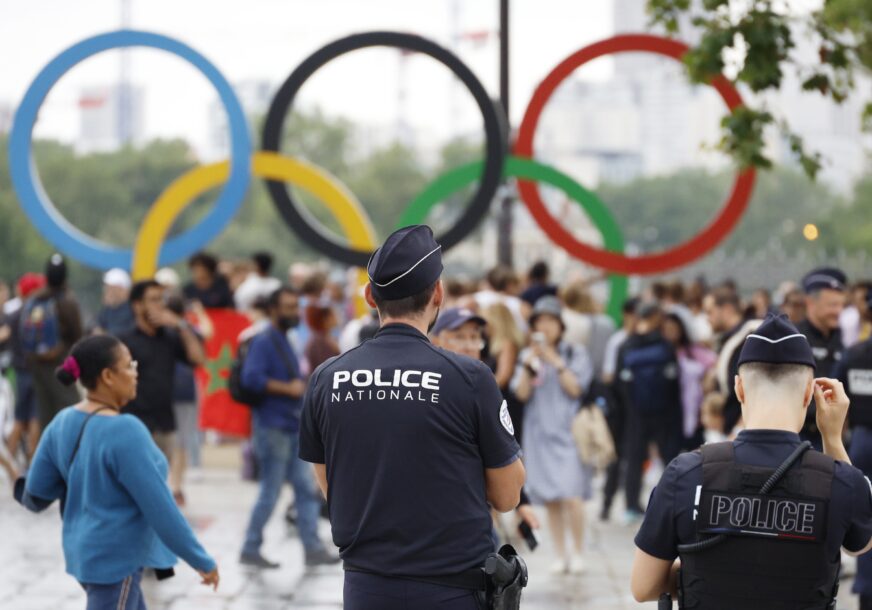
(42,212)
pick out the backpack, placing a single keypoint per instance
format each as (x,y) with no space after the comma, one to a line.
(651,374)
(238,391)
(40,330)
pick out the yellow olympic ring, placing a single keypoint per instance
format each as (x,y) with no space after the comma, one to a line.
(341,203)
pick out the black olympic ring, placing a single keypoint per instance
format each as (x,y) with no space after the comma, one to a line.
(295,216)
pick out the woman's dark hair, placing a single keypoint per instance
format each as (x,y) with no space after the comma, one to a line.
(88,359)
(684,338)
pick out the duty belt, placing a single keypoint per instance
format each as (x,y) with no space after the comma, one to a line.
(499,582)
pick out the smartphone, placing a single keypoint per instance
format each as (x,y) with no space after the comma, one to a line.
(527,534)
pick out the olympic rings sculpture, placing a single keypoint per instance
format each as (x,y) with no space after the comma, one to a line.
(39,208)
(153,248)
(643,264)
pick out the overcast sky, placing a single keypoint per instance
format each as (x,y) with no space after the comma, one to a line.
(266,39)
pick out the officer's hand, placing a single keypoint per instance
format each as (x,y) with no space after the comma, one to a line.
(210,578)
(528,516)
(832,406)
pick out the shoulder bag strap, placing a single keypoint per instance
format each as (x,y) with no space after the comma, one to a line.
(79,438)
(278,345)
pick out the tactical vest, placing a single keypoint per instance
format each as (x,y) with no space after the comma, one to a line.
(774,554)
(858,384)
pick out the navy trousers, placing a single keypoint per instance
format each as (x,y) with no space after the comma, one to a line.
(861,457)
(371,592)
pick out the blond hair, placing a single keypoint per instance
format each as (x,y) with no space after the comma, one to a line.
(576,297)
(713,404)
(502,329)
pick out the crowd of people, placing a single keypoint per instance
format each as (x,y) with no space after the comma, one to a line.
(585,395)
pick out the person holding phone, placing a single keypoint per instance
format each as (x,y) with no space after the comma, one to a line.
(118,513)
(551,377)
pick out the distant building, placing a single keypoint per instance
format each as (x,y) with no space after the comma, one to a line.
(255,97)
(648,119)
(110,116)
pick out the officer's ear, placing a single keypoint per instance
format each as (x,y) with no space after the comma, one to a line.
(439,294)
(809,392)
(740,388)
(367,294)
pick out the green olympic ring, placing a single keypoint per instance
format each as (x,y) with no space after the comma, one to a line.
(521,167)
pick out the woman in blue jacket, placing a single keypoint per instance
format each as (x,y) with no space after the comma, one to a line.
(118,513)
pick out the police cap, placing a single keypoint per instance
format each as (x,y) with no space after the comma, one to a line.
(824,278)
(454,318)
(407,263)
(777,341)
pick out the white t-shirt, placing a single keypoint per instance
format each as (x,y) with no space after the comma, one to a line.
(253,287)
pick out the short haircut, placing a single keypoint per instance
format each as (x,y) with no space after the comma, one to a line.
(726,297)
(204,259)
(137,293)
(501,278)
(775,373)
(407,307)
(630,306)
(539,272)
(263,261)
(276,296)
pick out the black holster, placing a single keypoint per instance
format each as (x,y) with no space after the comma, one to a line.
(506,574)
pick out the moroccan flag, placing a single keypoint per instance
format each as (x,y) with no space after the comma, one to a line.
(217,410)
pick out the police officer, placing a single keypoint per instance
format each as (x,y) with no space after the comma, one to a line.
(824,300)
(410,443)
(740,545)
(855,371)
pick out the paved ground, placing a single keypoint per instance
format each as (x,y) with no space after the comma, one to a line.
(34,578)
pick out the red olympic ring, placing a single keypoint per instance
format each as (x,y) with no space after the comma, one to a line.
(645,264)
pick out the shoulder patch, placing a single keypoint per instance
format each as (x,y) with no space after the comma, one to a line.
(506,419)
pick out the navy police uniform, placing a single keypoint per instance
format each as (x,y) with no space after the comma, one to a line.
(826,345)
(406,431)
(780,549)
(855,371)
